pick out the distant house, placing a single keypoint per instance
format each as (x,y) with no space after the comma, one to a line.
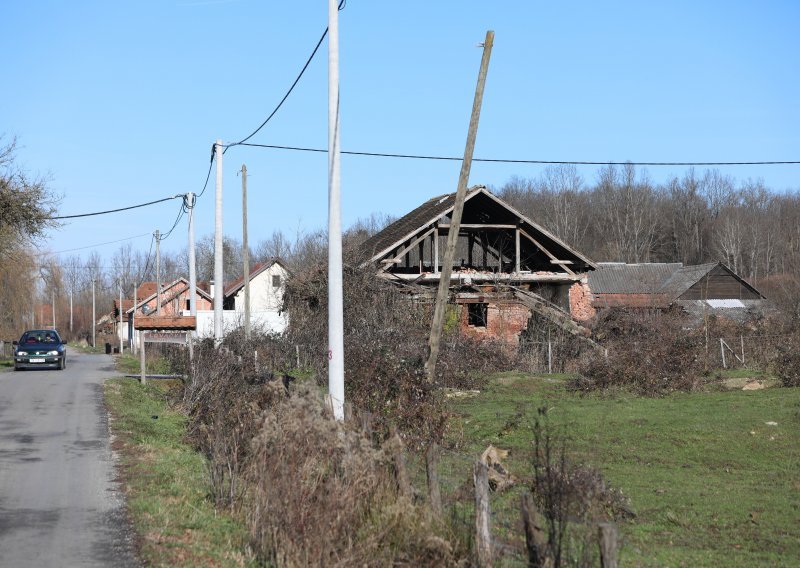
(267,283)
(702,289)
(175,301)
(506,266)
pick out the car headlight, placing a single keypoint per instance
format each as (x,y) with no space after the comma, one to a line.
(21,353)
(53,352)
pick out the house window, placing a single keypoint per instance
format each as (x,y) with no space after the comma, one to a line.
(476,314)
(188,304)
(276,280)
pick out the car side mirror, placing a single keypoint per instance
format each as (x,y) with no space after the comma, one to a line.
(15,342)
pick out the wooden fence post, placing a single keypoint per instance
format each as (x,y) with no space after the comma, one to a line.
(483,535)
(432,467)
(403,482)
(535,537)
(607,533)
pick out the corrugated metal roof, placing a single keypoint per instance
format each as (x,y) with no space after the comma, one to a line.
(686,277)
(619,278)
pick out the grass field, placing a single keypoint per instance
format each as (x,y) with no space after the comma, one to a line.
(166,482)
(712,483)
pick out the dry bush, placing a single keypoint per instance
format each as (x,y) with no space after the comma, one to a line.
(386,341)
(223,404)
(786,363)
(572,498)
(465,362)
(321,495)
(648,355)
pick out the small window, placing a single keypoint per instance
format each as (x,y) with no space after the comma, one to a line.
(476,314)
(188,304)
(276,280)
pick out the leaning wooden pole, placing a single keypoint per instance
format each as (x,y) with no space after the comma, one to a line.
(455,224)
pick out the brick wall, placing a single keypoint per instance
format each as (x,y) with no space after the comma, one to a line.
(580,301)
(504,321)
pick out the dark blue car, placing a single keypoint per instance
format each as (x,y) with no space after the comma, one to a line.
(40,348)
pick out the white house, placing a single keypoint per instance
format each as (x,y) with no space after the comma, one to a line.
(267,285)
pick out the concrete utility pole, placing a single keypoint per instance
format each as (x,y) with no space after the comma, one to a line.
(455,223)
(121,349)
(53,299)
(158,272)
(70,309)
(219,277)
(192,271)
(133,318)
(94,317)
(245,256)
(335,295)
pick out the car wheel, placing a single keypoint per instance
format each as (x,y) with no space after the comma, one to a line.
(62,364)
(17,368)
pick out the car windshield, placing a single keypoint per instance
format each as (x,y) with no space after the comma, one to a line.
(30,337)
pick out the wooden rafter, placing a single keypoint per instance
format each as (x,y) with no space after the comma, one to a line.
(396,258)
(553,259)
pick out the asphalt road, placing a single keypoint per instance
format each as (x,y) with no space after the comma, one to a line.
(59,502)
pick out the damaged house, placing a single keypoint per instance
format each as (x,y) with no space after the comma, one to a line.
(506,267)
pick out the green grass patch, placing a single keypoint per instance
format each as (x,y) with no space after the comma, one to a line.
(712,482)
(131,365)
(6,363)
(166,482)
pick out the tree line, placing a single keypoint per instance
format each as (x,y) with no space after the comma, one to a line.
(694,218)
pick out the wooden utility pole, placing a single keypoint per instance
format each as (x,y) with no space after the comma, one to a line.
(245,256)
(455,223)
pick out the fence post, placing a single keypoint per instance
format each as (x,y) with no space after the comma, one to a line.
(741,337)
(535,538)
(297,355)
(483,535)
(432,468)
(403,483)
(607,533)
(722,350)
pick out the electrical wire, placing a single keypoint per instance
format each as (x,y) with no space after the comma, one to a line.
(162,237)
(92,246)
(112,210)
(286,96)
(210,165)
(510,161)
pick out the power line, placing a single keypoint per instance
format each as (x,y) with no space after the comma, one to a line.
(95,245)
(510,161)
(177,220)
(210,165)
(286,96)
(113,210)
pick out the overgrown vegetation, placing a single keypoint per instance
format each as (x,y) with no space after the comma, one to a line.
(166,482)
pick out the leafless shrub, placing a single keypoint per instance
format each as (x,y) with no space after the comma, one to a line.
(223,403)
(572,498)
(322,495)
(648,355)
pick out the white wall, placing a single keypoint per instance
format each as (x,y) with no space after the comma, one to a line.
(266,321)
(264,297)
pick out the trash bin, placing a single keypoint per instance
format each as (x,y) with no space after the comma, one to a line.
(108,349)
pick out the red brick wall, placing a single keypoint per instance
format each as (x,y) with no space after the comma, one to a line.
(580,302)
(504,321)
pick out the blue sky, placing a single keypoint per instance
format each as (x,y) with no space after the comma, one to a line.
(119,103)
